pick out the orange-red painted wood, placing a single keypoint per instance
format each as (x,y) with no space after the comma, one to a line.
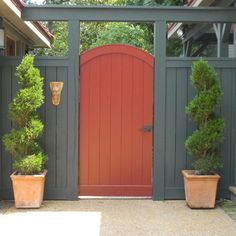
(116,101)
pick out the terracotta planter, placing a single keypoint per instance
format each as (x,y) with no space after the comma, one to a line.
(200,190)
(28,190)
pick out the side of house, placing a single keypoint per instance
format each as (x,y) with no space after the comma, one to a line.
(18,37)
(206,39)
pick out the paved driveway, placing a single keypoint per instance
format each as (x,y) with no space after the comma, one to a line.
(114,217)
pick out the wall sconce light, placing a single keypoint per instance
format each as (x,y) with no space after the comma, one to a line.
(180,33)
(56,88)
(2,39)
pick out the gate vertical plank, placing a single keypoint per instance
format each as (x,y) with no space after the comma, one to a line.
(137,122)
(94,123)
(127,116)
(105,119)
(116,86)
(84,123)
(147,119)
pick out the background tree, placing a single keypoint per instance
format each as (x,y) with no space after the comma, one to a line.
(92,32)
(124,33)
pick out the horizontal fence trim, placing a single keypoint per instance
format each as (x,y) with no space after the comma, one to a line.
(133,14)
(39,61)
(187,62)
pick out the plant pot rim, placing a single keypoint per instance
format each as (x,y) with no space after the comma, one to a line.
(190,175)
(43,174)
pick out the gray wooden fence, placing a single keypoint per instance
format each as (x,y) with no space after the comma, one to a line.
(58,137)
(178,126)
(57,120)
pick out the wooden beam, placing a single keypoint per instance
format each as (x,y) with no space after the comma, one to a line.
(129,14)
(159,110)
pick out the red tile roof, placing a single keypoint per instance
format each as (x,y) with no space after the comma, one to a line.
(39,25)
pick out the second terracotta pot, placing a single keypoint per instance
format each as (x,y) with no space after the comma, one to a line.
(200,190)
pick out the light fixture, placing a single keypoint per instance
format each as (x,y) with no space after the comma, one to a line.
(56,88)
(2,39)
(180,32)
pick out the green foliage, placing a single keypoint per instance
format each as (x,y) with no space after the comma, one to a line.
(21,142)
(89,32)
(94,33)
(203,143)
(31,164)
(174,47)
(123,33)
(154,2)
(59,45)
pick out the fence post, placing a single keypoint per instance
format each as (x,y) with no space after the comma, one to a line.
(73,95)
(159,110)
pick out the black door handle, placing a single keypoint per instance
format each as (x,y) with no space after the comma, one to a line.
(147,128)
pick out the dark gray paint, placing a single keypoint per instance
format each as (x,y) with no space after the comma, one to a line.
(178,125)
(138,14)
(55,140)
(159,110)
(73,100)
(171,125)
(159,16)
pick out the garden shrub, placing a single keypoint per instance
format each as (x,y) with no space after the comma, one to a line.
(22,141)
(203,144)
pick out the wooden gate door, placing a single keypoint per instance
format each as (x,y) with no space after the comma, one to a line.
(116,118)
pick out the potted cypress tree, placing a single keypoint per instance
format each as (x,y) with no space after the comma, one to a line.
(201,183)
(29,176)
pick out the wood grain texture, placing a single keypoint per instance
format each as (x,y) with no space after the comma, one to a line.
(59,139)
(116,102)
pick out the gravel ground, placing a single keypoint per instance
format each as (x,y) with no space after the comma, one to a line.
(115,218)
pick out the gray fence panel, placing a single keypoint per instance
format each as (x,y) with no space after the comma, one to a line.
(6,94)
(60,180)
(54,139)
(179,126)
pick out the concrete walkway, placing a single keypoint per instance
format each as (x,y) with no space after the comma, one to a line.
(114,217)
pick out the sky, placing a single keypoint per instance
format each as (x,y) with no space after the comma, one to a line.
(38,1)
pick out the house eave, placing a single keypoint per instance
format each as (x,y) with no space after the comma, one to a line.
(12,13)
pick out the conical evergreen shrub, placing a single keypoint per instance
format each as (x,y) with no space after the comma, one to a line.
(203,144)
(22,141)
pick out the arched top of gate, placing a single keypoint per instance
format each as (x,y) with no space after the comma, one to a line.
(116,49)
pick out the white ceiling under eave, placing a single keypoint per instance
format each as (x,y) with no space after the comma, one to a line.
(13,15)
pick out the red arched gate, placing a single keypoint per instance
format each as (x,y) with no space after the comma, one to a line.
(116,119)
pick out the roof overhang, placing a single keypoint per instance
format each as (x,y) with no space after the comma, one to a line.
(172,30)
(33,31)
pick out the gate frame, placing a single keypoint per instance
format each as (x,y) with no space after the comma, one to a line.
(159,16)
